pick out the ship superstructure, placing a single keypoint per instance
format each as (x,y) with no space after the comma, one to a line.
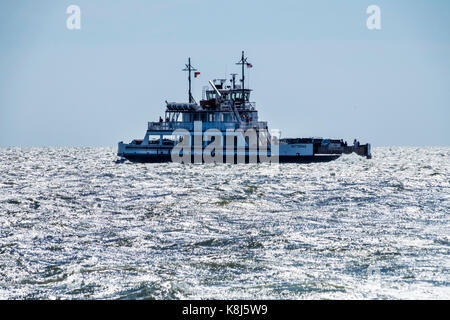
(224,127)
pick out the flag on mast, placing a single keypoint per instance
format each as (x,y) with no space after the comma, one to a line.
(249,65)
(196,74)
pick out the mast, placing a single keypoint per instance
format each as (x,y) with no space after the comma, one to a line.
(189,68)
(243,62)
(243,77)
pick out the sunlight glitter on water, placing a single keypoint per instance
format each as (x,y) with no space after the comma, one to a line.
(76,225)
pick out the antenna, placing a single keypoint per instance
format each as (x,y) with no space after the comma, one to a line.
(190,68)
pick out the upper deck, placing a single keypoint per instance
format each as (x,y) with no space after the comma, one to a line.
(224,105)
(221,126)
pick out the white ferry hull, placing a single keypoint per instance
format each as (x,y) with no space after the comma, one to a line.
(297,154)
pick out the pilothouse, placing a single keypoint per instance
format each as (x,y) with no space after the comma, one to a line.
(224,128)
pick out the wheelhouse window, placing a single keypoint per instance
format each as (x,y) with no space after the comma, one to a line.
(210,95)
(238,95)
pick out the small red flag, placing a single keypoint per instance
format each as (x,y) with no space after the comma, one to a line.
(249,65)
(196,74)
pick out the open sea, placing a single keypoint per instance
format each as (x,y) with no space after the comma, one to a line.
(76,224)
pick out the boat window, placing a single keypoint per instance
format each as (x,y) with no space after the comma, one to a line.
(237,95)
(210,95)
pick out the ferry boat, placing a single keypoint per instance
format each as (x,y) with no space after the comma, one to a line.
(224,127)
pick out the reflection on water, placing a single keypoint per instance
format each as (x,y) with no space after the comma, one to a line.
(76,224)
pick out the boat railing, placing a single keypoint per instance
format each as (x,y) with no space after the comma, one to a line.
(254,125)
(170,125)
(174,125)
(252,105)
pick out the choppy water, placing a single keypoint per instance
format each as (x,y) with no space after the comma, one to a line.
(75,224)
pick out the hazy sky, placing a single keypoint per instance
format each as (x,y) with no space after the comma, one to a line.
(317,69)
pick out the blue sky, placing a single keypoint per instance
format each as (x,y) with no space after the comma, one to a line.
(317,69)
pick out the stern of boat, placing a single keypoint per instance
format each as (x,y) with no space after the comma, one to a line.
(120,149)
